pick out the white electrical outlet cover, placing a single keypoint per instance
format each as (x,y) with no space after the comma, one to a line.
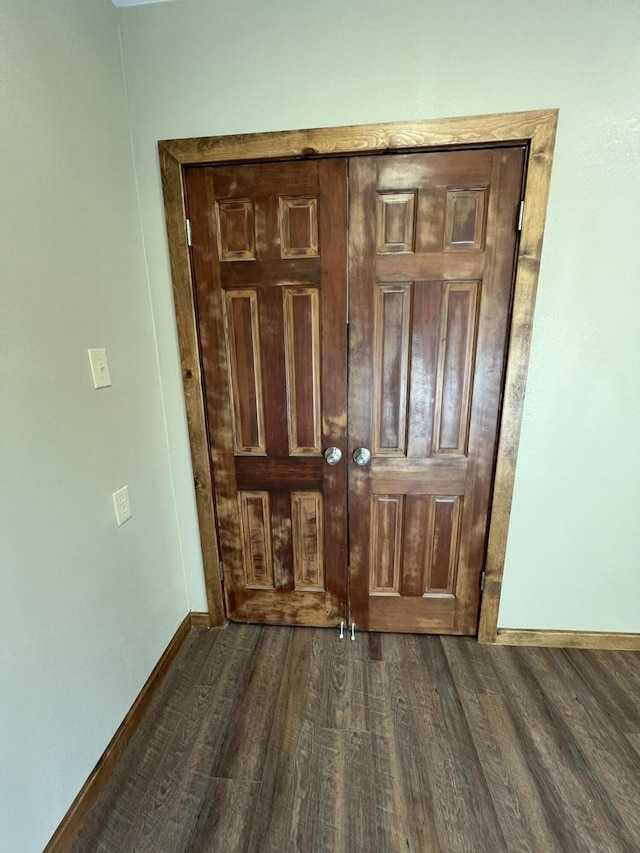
(99,368)
(122,505)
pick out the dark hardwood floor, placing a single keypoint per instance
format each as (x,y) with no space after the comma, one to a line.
(288,739)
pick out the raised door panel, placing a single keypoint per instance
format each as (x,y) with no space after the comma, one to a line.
(432,248)
(270,280)
(458,326)
(302,355)
(307,516)
(255,524)
(242,340)
(236,230)
(386,544)
(392,317)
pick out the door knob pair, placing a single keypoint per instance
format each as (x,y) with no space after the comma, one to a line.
(361,456)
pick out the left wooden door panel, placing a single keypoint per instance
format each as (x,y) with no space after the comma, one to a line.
(269,266)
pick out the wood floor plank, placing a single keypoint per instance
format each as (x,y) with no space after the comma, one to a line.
(325,828)
(226,817)
(243,752)
(374,646)
(615,770)
(317,819)
(231,741)
(446,784)
(283,739)
(319,690)
(336,698)
(471,665)
(522,814)
(290,748)
(391,716)
(562,774)
(375,822)
(183,783)
(615,680)
(634,740)
(357,713)
(171,807)
(360,791)
(122,800)
(391,818)
(525,821)
(462,779)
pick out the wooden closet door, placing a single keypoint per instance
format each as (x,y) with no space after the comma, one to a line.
(431,257)
(269,265)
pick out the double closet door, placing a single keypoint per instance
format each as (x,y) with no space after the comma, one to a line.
(352,322)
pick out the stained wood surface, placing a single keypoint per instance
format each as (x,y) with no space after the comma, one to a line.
(269,271)
(351,139)
(428,334)
(174,205)
(288,739)
(535,129)
(569,639)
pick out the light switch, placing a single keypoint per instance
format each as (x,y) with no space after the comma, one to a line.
(99,368)
(122,505)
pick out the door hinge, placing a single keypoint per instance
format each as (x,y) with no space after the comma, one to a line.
(187,225)
(483,575)
(221,569)
(520,215)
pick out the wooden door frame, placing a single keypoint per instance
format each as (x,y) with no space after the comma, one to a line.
(536,130)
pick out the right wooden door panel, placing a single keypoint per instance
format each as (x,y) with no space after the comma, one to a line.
(431,249)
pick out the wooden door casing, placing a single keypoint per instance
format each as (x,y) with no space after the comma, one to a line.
(269,267)
(535,129)
(431,258)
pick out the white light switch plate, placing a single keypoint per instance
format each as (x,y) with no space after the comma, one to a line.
(99,368)
(122,505)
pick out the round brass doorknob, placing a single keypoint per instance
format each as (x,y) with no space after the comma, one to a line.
(333,455)
(362,456)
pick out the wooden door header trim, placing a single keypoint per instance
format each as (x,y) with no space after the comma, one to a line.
(363,139)
(535,129)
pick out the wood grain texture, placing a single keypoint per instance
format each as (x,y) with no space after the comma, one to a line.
(307,518)
(242,339)
(568,639)
(457,402)
(391,341)
(255,525)
(455,367)
(200,620)
(535,129)
(395,222)
(235,230)
(394,136)
(273,739)
(192,380)
(298,227)
(387,516)
(302,356)
(274,368)
(535,195)
(464,219)
(64,836)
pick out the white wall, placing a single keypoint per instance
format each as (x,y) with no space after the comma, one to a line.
(198,67)
(86,609)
